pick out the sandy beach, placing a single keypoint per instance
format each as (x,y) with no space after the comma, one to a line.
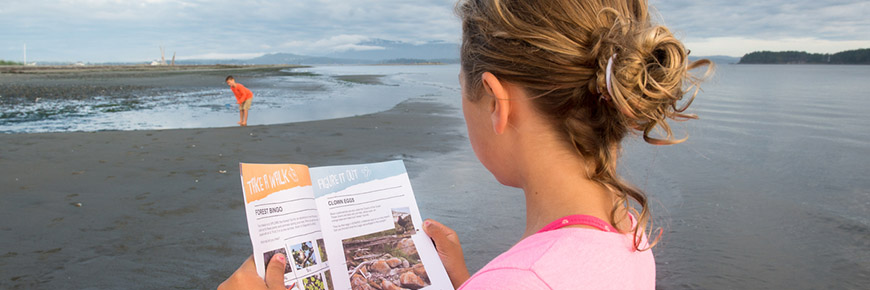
(149,209)
(163,209)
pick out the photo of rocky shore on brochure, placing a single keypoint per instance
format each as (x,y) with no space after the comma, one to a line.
(386,260)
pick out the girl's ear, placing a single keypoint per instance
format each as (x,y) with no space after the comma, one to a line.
(499,103)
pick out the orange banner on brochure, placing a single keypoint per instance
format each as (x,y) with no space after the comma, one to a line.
(261,180)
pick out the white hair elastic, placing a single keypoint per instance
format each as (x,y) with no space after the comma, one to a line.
(609,72)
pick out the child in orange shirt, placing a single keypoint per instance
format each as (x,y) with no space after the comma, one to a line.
(243,97)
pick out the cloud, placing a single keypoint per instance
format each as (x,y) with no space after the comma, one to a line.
(116,30)
(336,43)
(218,55)
(357,47)
(738,46)
(736,27)
(831,19)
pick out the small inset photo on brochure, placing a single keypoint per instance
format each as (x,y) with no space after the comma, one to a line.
(313,282)
(402,219)
(267,256)
(321,249)
(327,276)
(303,255)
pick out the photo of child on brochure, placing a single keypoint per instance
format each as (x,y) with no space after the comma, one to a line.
(386,259)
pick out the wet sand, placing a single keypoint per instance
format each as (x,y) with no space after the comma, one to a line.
(18,83)
(361,79)
(163,209)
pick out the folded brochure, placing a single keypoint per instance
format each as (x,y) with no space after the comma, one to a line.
(341,227)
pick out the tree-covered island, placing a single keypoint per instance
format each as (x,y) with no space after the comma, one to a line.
(857,56)
(6,62)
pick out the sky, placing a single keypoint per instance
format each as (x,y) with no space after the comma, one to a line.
(134,31)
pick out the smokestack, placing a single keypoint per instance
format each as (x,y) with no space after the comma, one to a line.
(25,53)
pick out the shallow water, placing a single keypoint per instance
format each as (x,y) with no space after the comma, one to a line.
(306,94)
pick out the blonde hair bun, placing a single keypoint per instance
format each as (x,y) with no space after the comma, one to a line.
(558,50)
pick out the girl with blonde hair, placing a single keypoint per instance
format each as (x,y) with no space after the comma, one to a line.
(550,89)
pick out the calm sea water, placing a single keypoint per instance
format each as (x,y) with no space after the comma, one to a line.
(771,190)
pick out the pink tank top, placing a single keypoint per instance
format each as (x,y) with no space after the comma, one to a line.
(580,219)
(571,258)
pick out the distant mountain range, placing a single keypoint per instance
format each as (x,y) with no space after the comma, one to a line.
(380,51)
(718,59)
(401,50)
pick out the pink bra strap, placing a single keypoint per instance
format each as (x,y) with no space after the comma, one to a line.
(579,219)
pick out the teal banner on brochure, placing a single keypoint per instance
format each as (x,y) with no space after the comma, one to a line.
(333,179)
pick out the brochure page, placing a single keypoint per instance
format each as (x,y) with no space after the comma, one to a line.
(282,218)
(372,226)
(354,227)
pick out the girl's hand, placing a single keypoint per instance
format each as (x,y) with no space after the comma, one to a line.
(246,276)
(448,247)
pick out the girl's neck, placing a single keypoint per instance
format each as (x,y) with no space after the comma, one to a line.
(557,186)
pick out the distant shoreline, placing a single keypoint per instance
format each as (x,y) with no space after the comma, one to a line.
(848,57)
(72,69)
(26,84)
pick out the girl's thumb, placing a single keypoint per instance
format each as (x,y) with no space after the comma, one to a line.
(275,272)
(449,250)
(442,235)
